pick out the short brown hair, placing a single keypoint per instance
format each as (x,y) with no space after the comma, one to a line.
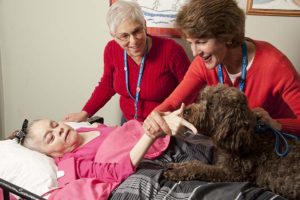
(220,19)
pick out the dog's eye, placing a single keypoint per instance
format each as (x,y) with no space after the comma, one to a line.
(187,112)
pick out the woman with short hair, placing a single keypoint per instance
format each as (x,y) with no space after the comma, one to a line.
(141,68)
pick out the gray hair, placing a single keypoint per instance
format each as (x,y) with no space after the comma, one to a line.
(121,11)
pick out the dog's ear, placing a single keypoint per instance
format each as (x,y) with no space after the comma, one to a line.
(235,132)
(235,122)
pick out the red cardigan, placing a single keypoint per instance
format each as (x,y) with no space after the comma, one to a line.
(165,66)
(271,83)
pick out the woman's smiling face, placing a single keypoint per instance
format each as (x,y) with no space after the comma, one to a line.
(212,51)
(131,36)
(54,138)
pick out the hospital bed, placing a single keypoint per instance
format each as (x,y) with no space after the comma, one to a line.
(148,181)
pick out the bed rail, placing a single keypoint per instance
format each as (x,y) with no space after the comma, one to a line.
(8,187)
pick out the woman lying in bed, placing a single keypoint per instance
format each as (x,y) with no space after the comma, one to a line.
(60,141)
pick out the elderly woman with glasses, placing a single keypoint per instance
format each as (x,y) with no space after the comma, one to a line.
(141,68)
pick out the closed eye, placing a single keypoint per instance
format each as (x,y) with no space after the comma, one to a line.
(49,137)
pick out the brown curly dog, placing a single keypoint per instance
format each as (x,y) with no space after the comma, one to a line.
(240,154)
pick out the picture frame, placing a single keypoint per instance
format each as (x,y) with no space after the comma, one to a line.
(156,26)
(289,8)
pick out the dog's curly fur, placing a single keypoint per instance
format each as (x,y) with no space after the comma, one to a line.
(240,154)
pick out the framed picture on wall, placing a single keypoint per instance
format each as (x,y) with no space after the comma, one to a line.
(274,7)
(160,15)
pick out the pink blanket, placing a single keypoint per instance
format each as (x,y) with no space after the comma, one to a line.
(118,143)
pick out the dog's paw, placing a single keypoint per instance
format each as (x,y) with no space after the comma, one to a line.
(170,175)
(176,172)
(171,166)
(173,175)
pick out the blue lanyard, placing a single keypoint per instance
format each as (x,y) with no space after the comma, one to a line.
(244,68)
(138,88)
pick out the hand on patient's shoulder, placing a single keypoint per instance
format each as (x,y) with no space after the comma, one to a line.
(76,117)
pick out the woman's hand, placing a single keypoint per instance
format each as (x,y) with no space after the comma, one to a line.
(155,125)
(76,117)
(265,117)
(169,123)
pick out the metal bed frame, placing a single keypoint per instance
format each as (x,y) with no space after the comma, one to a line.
(8,188)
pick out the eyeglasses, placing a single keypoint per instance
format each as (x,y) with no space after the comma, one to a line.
(137,33)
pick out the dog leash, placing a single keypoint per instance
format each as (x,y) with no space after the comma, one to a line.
(280,137)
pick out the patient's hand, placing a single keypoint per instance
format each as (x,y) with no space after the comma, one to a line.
(155,125)
(168,122)
(76,117)
(177,124)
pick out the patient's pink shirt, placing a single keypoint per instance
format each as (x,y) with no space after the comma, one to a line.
(84,156)
(106,157)
(95,169)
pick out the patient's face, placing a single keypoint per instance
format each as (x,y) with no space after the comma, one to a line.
(54,138)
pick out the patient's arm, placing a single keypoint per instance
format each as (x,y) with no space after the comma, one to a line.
(175,123)
(140,149)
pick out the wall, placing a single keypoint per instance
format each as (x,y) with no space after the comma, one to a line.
(52,55)
(1,103)
(51,58)
(282,32)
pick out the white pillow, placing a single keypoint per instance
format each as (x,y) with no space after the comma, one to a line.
(29,169)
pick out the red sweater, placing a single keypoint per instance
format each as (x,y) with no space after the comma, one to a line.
(165,66)
(271,83)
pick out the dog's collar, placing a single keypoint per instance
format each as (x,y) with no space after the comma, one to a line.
(280,137)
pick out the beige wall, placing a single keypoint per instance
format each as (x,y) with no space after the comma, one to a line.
(1,102)
(51,53)
(282,32)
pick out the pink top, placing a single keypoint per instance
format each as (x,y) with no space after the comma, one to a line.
(107,156)
(85,167)
(93,170)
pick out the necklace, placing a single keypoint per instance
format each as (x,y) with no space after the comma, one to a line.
(138,88)
(244,68)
